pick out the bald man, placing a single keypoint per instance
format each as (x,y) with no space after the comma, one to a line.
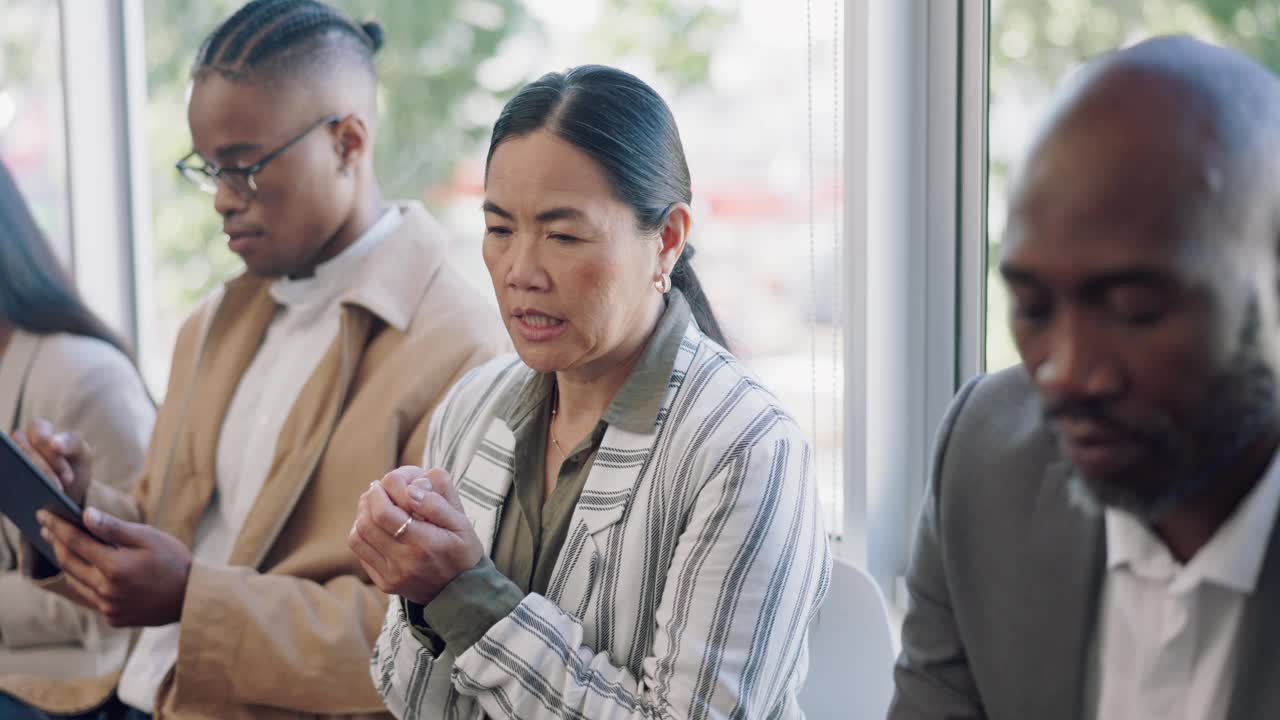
(1099,539)
(297,384)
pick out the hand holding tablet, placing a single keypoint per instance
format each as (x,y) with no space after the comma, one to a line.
(26,491)
(132,573)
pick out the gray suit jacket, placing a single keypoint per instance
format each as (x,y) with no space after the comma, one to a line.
(1006,574)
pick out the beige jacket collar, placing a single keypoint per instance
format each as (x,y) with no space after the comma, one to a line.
(389,283)
(387,288)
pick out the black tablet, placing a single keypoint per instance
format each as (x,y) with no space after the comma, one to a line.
(24,490)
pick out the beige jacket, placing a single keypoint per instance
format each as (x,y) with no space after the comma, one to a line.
(286,630)
(82,384)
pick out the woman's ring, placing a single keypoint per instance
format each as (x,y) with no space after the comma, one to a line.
(400,531)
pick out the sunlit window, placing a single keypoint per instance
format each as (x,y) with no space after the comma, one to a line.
(32,139)
(744,78)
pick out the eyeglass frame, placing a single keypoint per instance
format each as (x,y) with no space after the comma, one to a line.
(214,173)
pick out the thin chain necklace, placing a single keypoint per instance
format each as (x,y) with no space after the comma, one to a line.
(551,426)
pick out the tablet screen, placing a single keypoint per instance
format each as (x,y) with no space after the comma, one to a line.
(26,491)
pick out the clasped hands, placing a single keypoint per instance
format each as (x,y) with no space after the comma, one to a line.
(134,574)
(412,535)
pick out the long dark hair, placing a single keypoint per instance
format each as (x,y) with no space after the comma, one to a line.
(629,131)
(36,293)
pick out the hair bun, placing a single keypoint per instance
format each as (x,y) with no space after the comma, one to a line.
(373,29)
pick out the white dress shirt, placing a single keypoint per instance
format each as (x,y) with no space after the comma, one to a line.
(304,327)
(1168,631)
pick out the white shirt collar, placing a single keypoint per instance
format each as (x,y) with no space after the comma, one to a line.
(1232,558)
(332,276)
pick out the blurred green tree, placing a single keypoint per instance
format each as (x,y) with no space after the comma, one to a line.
(427,68)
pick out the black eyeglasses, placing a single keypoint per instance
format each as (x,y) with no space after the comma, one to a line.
(207,176)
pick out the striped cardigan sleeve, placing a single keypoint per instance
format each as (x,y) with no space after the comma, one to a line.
(749,569)
(413,681)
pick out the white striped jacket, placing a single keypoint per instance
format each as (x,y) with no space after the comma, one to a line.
(694,563)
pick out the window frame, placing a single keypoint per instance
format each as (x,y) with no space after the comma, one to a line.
(104,87)
(916,184)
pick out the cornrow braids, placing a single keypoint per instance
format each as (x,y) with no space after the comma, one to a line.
(228,41)
(267,35)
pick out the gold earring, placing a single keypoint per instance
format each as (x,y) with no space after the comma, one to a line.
(663,283)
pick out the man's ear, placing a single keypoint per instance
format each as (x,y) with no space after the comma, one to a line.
(351,140)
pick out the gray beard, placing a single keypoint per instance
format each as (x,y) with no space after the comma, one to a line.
(1235,409)
(1092,499)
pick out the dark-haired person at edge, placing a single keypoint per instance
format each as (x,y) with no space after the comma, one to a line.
(59,363)
(1100,540)
(619,520)
(300,381)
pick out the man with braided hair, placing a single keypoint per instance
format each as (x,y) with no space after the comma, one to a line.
(317,367)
